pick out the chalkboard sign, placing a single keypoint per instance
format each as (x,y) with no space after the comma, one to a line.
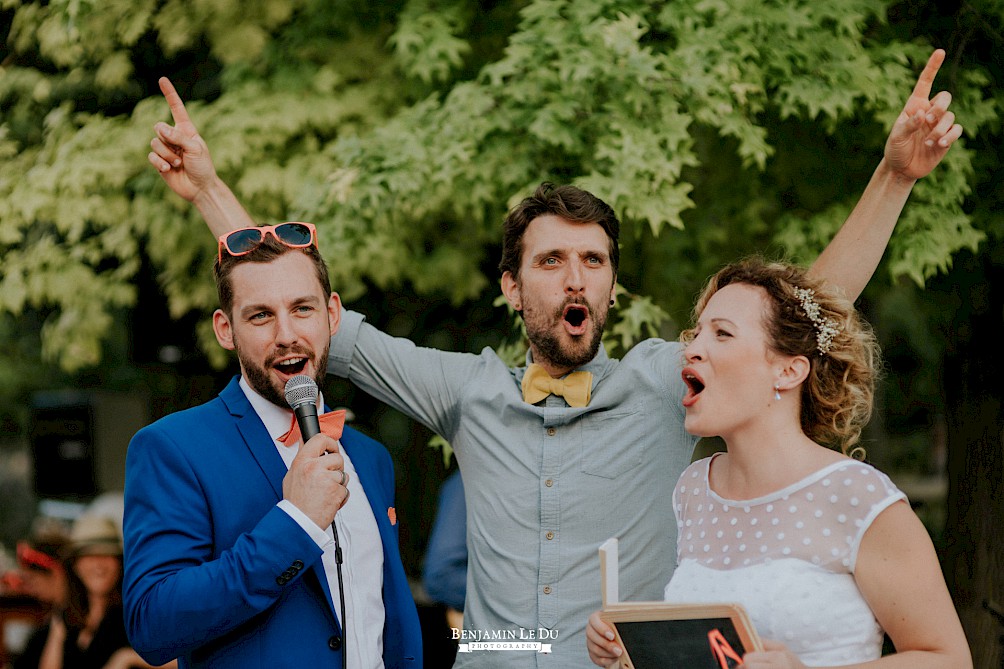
(657,635)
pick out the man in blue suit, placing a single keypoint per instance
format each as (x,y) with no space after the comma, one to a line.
(230,557)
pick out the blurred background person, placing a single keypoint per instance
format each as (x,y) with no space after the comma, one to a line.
(40,578)
(89,632)
(444,575)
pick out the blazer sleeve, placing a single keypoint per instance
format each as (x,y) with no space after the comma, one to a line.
(184,585)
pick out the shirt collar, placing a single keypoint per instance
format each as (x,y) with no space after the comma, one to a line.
(276,419)
(597,366)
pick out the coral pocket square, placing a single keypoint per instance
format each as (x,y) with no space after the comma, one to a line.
(392,515)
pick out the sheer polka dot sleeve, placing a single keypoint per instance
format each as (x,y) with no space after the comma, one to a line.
(820,519)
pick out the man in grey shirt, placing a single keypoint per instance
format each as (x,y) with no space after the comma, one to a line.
(549,478)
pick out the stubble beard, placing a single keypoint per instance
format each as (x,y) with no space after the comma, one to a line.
(543,331)
(260,381)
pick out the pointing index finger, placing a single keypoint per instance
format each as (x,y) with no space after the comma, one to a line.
(178,111)
(926,81)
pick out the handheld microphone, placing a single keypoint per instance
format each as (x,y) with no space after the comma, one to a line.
(301,395)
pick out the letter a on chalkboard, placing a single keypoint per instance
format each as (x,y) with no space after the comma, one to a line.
(721,649)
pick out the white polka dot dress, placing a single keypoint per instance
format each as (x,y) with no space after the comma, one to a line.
(787,557)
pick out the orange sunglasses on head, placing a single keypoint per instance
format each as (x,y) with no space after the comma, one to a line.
(243,241)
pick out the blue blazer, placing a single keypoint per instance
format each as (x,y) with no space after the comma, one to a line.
(216,574)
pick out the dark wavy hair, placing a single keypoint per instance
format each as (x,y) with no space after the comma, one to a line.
(568,202)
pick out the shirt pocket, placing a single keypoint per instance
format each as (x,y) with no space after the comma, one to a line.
(612,444)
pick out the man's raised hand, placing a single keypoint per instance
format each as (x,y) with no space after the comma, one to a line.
(180,155)
(925,130)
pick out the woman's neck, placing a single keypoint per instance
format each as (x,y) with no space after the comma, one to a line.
(763,460)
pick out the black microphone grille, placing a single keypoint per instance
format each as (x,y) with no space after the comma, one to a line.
(301,389)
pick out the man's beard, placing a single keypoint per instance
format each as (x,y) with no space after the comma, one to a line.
(260,381)
(547,343)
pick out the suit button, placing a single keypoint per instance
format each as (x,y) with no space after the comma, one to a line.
(281,580)
(335,642)
(297,565)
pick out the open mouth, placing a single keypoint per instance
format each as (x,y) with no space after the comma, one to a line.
(291,366)
(695,386)
(575,315)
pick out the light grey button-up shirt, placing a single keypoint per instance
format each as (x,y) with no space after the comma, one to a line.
(545,484)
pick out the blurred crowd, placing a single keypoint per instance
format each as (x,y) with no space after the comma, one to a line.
(61,600)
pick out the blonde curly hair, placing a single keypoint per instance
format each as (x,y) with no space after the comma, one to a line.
(837,395)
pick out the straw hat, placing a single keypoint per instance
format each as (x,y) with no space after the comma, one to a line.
(95,535)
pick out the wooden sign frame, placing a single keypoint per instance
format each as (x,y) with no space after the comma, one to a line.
(659,635)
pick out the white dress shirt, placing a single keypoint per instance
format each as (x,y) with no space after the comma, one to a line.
(359,538)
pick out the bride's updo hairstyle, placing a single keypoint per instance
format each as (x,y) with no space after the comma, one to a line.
(806,317)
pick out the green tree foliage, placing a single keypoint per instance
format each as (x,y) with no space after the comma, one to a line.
(406,129)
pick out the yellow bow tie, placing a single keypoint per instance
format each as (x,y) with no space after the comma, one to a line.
(538,384)
(331,425)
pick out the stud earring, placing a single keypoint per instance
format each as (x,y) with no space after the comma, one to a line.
(777,391)
(611,303)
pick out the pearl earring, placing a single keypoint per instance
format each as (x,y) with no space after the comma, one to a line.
(777,391)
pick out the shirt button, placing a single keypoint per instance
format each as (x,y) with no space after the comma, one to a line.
(547,589)
(549,535)
(549,482)
(551,431)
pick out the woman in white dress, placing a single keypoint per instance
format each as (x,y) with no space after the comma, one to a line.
(821,549)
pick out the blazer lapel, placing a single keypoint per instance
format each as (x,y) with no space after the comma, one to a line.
(256,437)
(263,450)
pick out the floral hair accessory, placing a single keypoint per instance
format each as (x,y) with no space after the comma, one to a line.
(826,328)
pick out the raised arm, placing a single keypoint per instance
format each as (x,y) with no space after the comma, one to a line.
(923,133)
(182,158)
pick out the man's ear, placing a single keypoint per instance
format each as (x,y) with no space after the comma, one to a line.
(334,312)
(793,372)
(510,288)
(223,329)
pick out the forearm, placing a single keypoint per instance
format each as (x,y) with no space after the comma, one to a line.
(919,659)
(52,653)
(174,607)
(127,658)
(220,209)
(852,256)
